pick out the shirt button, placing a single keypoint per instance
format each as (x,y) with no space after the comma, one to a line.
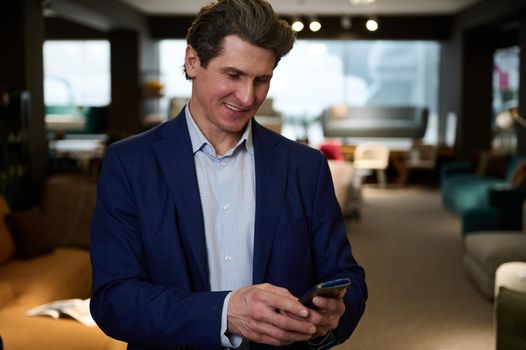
(228,258)
(226,206)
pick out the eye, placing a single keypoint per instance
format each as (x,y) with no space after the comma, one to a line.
(262,81)
(233,75)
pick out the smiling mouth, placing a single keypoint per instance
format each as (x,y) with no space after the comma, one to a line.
(235,109)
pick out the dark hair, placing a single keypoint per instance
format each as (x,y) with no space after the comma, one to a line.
(252,20)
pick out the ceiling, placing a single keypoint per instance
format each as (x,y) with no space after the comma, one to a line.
(316,7)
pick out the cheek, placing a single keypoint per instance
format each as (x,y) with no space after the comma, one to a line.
(261,93)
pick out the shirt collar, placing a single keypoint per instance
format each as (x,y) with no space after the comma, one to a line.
(199,140)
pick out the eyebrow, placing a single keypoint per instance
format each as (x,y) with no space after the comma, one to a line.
(240,72)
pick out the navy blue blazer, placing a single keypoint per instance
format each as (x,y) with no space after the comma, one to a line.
(148,250)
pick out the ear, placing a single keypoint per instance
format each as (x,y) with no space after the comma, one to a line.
(191,61)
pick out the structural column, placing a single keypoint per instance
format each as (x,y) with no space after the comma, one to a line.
(125,82)
(521,130)
(21,69)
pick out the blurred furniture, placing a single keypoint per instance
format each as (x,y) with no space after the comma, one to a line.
(485,251)
(77,153)
(487,196)
(40,262)
(372,156)
(347,185)
(397,159)
(419,157)
(342,175)
(332,149)
(510,306)
(269,117)
(375,121)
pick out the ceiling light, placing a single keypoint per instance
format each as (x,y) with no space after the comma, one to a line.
(297,25)
(371,25)
(314,25)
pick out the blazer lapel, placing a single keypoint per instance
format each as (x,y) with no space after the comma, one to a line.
(271,179)
(174,153)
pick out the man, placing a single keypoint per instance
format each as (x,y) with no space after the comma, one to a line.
(209,227)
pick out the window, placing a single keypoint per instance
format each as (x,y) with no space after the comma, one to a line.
(505,78)
(76,75)
(319,73)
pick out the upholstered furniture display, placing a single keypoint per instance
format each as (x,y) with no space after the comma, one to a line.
(485,251)
(488,195)
(347,185)
(43,259)
(421,157)
(375,121)
(342,176)
(372,156)
(510,306)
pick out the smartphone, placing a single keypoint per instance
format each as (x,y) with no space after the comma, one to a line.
(325,289)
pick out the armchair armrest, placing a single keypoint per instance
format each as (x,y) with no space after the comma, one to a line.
(509,202)
(481,219)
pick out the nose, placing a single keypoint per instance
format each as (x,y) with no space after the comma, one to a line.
(245,93)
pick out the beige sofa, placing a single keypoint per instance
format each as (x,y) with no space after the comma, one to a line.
(61,273)
(347,187)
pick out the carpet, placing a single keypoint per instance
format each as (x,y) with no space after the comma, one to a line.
(419,295)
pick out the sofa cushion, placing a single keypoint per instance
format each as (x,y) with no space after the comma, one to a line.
(465,192)
(491,249)
(29,231)
(6,293)
(20,332)
(486,251)
(341,173)
(493,164)
(68,203)
(519,176)
(7,246)
(62,274)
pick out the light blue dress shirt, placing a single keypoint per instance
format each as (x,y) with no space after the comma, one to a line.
(227,190)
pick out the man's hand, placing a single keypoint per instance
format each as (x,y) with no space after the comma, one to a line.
(271,315)
(327,315)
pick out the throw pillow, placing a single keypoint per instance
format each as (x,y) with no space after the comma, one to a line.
(332,150)
(482,163)
(29,232)
(493,164)
(519,176)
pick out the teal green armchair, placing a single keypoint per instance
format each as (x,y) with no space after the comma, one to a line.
(483,202)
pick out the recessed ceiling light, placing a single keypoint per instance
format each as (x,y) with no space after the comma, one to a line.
(297,25)
(314,25)
(371,25)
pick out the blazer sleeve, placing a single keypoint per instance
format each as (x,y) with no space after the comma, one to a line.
(125,303)
(333,255)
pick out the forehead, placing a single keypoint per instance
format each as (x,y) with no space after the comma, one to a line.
(240,54)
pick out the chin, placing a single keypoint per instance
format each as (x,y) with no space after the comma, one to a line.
(236,125)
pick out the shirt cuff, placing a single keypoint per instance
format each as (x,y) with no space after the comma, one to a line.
(228,340)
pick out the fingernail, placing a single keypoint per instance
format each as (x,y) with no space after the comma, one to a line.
(304,313)
(312,330)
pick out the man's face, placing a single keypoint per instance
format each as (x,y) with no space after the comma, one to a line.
(229,91)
